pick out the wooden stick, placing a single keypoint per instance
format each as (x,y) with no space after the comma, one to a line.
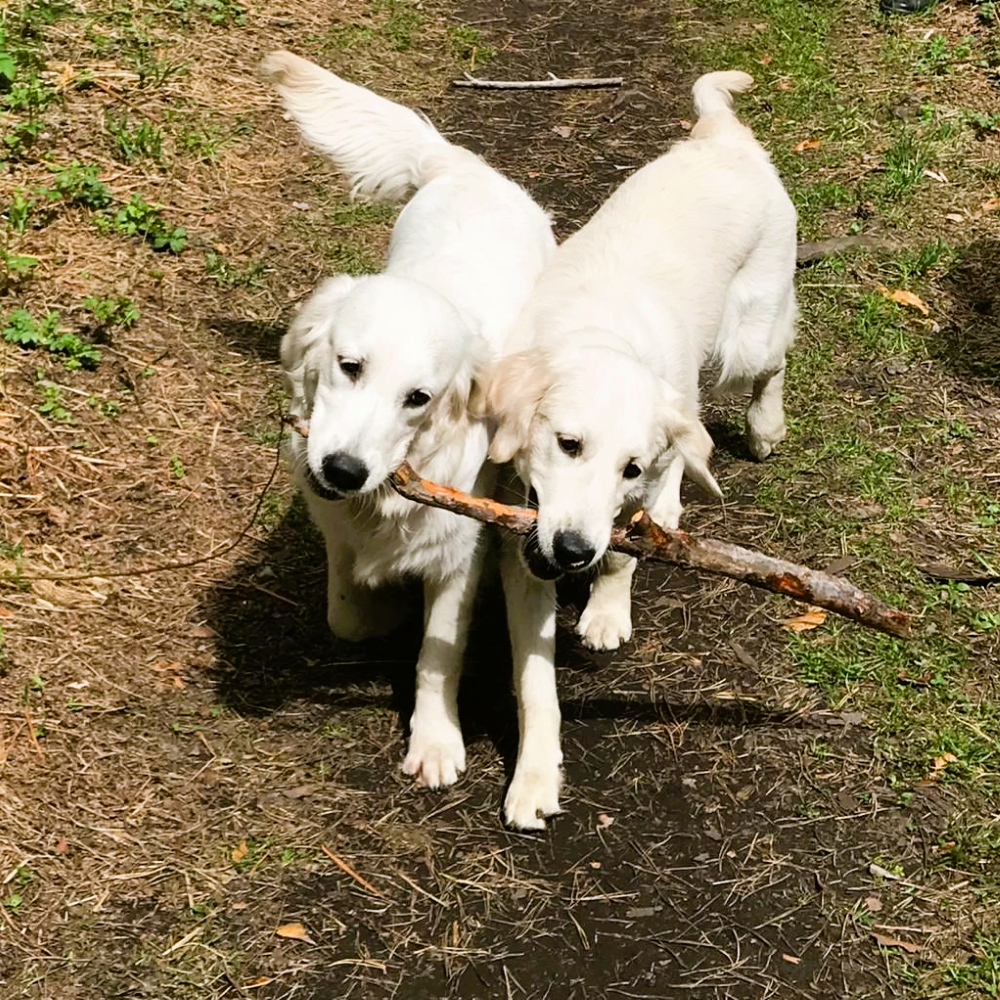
(345,867)
(645,539)
(553,84)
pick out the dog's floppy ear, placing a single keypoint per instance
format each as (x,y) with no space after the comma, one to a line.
(510,395)
(313,319)
(310,323)
(687,433)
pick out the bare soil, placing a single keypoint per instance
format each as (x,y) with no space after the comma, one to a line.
(181,751)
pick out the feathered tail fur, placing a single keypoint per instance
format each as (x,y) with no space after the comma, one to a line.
(384,149)
(713,102)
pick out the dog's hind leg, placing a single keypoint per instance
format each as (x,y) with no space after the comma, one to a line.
(531,617)
(757,329)
(766,414)
(436,752)
(606,621)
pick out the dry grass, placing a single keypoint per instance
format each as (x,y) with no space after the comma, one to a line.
(182,751)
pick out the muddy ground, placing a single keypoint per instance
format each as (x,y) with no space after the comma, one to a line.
(182,751)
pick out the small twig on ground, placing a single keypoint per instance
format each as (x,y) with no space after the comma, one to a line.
(551,84)
(345,867)
(643,538)
(31,732)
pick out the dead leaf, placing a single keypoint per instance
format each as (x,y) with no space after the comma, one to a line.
(905,298)
(239,853)
(603,819)
(62,846)
(940,763)
(5,612)
(873,903)
(784,85)
(64,72)
(990,205)
(801,147)
(563,131)
(259,981)
(295,931)
(202,632)
(955,217)
(164,665)
(766,59)
(890,942)
(813,618)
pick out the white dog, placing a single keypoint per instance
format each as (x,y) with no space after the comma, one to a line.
(381,368)
(689,264)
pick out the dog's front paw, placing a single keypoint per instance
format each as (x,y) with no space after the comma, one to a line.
(605,626)
(436,754)
(533,795)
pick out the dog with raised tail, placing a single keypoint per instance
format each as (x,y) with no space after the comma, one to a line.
(381,367)
(688,266)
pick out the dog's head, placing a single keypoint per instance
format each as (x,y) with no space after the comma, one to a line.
(589,429)
(372,364)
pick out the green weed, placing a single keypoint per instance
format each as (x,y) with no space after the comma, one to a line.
(137,217)
(939,55)
(246,275)
(134,142)
(52,403)
(467,45)
(78,184)
(112,311)
(15,266)
(21,328)
(218,12)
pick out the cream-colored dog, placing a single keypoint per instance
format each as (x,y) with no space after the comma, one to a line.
(688,265)
(381,368)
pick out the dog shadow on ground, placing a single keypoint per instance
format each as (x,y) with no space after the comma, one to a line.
(272,648)
(969,341)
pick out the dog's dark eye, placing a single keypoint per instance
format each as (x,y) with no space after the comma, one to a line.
(416,399)
(352,369)
(570,445)
(631,471)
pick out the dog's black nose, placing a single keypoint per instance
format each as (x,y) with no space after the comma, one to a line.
(344,472)
(572,550)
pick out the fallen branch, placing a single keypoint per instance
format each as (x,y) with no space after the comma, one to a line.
(645,539)
(554,83)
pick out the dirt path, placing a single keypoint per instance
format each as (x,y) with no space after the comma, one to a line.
(181,752)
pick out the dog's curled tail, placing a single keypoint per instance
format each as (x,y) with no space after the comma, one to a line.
(713,92)
(384,149)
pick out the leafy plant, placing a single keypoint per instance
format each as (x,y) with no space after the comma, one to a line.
(137,217)
(467,45)
(19,210)
(112,310)
(131,143)
(52,404)
(78,184)
(233,274)
(16,265)
(22,328)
